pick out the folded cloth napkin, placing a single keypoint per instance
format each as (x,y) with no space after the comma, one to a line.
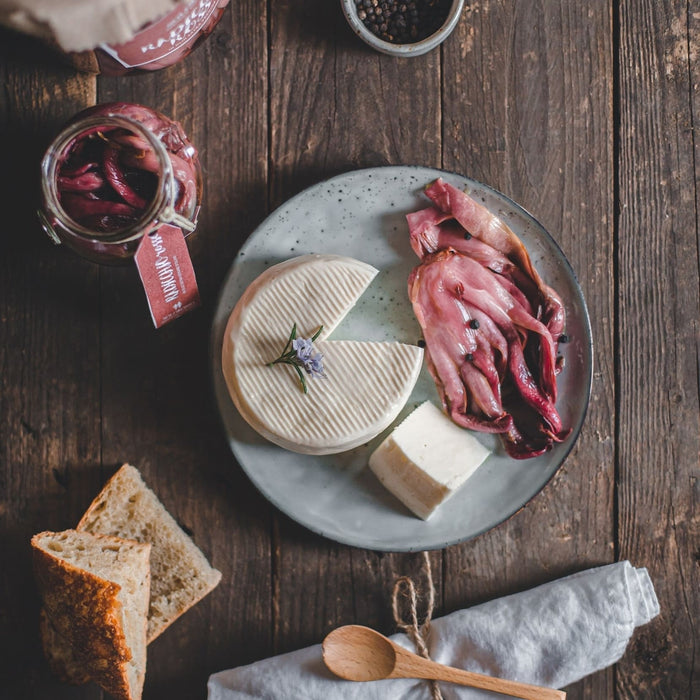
(551,635)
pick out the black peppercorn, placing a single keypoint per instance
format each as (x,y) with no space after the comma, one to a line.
(474,324)
(563,338)
(469,357)
(402,22)
(467,236)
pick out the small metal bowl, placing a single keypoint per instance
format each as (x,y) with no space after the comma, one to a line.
(413,49)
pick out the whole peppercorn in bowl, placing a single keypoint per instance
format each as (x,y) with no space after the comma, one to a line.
(403,27)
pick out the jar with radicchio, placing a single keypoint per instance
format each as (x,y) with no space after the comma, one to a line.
(116,172)
(122,181)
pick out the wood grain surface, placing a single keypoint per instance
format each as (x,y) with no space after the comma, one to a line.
(658,337)
(581,112)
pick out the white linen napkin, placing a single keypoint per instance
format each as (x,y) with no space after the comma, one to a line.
(551,635)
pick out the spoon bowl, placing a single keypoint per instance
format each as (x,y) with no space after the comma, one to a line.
(358,653)
(373,656)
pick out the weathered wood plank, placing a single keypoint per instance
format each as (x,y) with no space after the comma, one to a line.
(49,378)
(336,106)
(658,337)
(158,409)
(527,108)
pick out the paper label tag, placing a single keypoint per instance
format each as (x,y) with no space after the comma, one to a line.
(167,275)
(165,36)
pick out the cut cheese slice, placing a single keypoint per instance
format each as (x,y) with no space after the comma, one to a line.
(426,459)
(366,383)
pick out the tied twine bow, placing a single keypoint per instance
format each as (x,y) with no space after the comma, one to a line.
(404,605)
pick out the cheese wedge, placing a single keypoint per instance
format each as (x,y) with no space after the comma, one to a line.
(366,383)
(426,459)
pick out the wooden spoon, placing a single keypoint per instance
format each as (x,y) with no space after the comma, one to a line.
(358,653)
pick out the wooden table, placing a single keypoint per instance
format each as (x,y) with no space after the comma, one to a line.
(582,112)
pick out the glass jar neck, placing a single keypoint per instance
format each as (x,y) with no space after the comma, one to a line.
(159,209)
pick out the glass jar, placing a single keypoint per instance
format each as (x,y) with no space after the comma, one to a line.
(157,45)
(115,173)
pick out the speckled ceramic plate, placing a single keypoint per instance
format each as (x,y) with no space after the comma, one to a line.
(362,214)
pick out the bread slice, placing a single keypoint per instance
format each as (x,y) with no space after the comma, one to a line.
(95,591)
(180,573)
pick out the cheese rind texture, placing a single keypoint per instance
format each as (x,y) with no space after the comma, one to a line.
(426,459)
(366,383)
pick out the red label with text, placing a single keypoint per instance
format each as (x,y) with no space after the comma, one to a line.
(167,275)
(165,36)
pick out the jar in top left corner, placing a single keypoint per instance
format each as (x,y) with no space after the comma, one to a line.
(159,44)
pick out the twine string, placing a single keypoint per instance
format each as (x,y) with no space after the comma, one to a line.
(404,605)
(170,216)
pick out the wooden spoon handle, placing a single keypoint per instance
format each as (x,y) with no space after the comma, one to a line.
(500,685)
(411,666)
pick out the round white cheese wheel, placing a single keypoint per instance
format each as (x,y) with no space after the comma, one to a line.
(366,383)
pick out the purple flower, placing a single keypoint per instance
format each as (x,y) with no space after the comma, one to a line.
(311,360)
(300,353)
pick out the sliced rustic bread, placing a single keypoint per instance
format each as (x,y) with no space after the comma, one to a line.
(180,573)
(95,591)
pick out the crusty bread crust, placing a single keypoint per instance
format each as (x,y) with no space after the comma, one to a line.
(85,611)
(59,654)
